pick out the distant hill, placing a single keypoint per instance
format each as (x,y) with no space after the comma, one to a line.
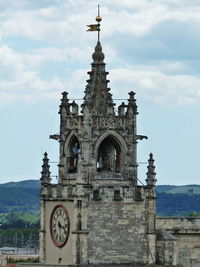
(165,188)
(181,189)
(19,197)
(178,200)
(21,184)
(171,200)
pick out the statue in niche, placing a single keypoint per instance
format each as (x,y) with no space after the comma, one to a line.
(73,158)
(107,159)
(76,151)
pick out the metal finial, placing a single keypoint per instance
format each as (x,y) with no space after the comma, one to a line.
(96,27)
(98,19)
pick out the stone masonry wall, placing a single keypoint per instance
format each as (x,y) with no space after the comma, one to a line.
(117,232)
(187,232)
(94,265)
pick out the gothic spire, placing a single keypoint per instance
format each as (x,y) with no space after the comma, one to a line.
(97,98)
(151,174)
(45,173)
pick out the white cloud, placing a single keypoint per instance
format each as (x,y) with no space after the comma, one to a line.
(65,21)
(58,30)
(157,87)
(19,82)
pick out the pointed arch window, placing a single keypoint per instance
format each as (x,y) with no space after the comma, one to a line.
(109,155)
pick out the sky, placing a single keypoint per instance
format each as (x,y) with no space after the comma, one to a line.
(151,47)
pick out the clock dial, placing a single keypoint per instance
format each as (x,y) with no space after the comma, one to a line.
(59,225)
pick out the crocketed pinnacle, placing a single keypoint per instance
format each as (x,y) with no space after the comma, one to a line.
(151,174)
(132,107)
(45,173)
(64,106)
(97,99)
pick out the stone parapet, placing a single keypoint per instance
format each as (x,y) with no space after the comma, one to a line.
(179,224)
(94,265)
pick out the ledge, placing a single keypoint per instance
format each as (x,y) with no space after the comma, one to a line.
(82,232)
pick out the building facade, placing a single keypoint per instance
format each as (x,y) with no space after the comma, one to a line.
(98,213)
(97,208)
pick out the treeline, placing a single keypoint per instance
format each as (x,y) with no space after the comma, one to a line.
(19,220)
(19,230)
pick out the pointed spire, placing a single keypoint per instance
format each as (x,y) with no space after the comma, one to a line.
(151,174)
(45,177)
(97,99)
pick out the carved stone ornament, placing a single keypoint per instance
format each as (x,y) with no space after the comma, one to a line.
(73,122)
(107,122)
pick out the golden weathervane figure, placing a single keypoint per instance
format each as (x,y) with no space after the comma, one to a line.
(96,27)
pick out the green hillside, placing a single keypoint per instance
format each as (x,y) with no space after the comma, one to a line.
(165,188)
(169,204)
(19,197)
(21,184)
(178,200)
(182,189)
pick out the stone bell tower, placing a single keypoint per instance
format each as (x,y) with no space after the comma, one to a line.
(106,140)
(97,213)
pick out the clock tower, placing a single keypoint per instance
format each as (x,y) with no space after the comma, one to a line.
(98,212)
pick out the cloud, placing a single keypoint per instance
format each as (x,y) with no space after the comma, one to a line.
(156,87)
(18,82)
(151,45)
(24,4)
(57,24)
(61,21)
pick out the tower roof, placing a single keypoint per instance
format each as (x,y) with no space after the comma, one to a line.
(97,98)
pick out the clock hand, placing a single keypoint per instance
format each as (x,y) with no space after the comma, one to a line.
(61,226)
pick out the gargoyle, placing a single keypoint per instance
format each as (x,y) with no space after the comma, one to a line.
(54,136)
(141,137)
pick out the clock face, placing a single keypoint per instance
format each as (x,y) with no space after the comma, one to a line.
(59,225)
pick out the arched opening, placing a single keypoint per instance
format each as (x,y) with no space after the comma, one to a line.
(109,155)
(73,154)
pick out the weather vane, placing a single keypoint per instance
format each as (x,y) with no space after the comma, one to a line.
(96,27)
